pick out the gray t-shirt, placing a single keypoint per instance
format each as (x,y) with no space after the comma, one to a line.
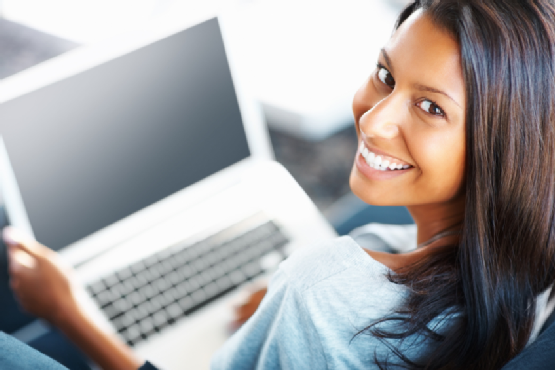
(317,302)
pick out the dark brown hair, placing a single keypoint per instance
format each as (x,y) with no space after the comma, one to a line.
(505,258)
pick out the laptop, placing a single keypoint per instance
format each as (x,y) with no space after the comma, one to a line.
(149,168)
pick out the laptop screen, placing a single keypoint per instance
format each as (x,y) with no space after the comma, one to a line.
(94,148)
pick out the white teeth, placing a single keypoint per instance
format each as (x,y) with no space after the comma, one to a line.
(369,160)
(377,162)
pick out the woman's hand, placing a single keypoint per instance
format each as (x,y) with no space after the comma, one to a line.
(39,279)
(245,310)
(43,286)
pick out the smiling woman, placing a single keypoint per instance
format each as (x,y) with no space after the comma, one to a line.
(456,122)
(455,96)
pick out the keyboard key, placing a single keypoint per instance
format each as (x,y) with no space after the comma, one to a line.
(175,277)
(160,319)
(211,290)
(117,291)
(200,264)
(148,291)
(96,288)
(165,267)
(194,283)
(105,298)
(252,269)
(140,312)
(124,274)
(111,311)
(123,322)
(175,311)
(162,285)
(111,280)
(182,289)
(153,272)
(146,326)
(205,277)
(141,279)
(122,305)
(198,296)
(137,267)
(186,303)
(132,334)
(224,283)
(135,298)
(169,297)
(150,261)
(237,277)
(127,287)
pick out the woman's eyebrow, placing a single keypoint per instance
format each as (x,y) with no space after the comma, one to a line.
(387,60)
(434,90)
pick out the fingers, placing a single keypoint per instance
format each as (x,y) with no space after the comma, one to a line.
(244,311)
(21,259)
(22,254)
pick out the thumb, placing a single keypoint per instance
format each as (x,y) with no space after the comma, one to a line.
(17,240)
(19,260)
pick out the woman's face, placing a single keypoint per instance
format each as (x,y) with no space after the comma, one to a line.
(410,117)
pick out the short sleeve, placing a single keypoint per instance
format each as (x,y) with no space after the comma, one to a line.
(274,335)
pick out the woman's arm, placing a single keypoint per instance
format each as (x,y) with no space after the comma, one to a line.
(43,286)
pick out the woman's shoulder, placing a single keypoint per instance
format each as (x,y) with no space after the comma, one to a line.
(340,290)
(337,264)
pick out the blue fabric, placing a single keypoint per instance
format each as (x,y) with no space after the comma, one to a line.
(317,302)
(537,356)
(58,347)
(15,355)
(148,366)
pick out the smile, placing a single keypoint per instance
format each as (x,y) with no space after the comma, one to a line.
(381,162)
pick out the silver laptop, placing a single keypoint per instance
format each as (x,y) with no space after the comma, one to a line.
(150,170)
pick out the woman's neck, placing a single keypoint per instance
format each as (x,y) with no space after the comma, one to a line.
(433,219)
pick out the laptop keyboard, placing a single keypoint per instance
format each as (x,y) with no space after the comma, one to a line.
(145,297)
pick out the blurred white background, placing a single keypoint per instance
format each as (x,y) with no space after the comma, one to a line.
(303,59)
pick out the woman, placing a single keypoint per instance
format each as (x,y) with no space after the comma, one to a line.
(457,123)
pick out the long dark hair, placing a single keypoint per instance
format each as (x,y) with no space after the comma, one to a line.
(505,257)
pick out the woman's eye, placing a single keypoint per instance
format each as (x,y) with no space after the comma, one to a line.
(386,77)
(432,108)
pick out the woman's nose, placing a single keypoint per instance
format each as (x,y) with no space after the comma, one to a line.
(383,120)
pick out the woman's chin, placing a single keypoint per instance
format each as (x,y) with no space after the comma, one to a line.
(375,195)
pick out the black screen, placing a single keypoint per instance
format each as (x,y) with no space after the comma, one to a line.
(101,145)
